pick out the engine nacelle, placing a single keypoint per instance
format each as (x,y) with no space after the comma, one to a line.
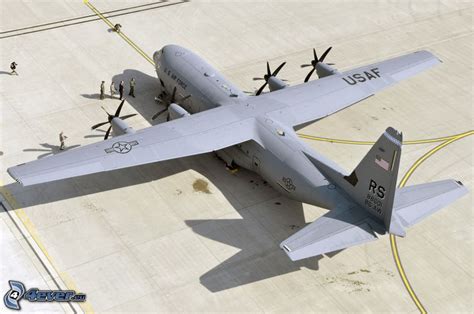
(176,111)
(120,127)
(323,70)
(275,84)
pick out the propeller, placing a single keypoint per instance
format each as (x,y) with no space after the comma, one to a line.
(171,100)
(315,61)
(111,117)
(267,76)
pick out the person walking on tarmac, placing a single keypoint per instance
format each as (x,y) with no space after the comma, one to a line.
(132,88)
(102,90)
(112,89)
(13,68)
(121,85)
(62,139)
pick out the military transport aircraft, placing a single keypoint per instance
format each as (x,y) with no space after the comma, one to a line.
(208,113)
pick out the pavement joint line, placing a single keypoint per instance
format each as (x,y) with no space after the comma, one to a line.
(41,255)
(447,140)
(120,33)
(393,242)
(80,20)
(8,197)
(26,226)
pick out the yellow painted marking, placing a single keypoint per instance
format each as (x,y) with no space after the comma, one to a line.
(430,153)
(28,224)
(350,142)
(120,33)
(393,242)
(447,140)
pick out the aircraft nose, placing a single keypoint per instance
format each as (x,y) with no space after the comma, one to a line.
(157,55)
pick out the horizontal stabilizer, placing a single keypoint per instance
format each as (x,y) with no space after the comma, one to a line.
(416,202)
(338,229)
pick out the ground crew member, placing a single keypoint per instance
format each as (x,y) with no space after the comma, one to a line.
(13,68)
(112,90)
(121,89)
(117,28)
(62,138)
(132,88)
(102,90)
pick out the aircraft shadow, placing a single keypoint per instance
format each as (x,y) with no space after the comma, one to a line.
(49,149)
(260,256)
(257,235)
(91,96)
(146,89)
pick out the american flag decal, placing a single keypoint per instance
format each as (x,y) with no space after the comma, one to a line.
(382,162)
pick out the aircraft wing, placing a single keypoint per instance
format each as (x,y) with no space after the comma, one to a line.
(300,104)
(196,134)
(340,228)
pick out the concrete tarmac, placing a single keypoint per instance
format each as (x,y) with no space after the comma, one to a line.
(187,235)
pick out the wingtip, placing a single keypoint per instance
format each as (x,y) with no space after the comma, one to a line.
(14,177)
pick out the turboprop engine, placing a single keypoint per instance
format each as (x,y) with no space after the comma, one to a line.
(318,65)
(175,111)
(116,122)
(270,78)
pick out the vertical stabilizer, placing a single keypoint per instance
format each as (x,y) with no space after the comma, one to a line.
(372,184)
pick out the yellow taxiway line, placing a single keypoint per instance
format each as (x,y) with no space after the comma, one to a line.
(351,142)
(21,214)
(120,33)
(393,242)
(446,141)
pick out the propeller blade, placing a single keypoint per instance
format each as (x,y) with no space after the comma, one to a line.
(117,112)
(128,116)
(158,113)
(185,97)
(95,126)
(315,55)
(309,75)
(278,69)
(107,133)
(306,65)
(268,69)
(258,78)
(325,54)
(173,95)
(260,90)
(108,114)
(168,116)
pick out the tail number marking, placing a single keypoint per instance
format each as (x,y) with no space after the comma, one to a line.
(374,197)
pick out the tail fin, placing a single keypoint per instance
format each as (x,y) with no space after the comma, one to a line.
(372,184)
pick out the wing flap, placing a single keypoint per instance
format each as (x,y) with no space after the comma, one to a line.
(416,202)
(338,229)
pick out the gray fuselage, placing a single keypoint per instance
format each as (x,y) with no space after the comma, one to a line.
(279,160)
